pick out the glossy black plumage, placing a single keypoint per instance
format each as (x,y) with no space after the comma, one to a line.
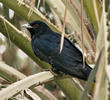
(46,45)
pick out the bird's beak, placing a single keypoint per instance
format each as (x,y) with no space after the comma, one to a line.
(27,26)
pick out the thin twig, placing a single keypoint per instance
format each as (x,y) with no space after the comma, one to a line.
(63,28)
(82,34)
(38,4)
(32,6)
(7,33)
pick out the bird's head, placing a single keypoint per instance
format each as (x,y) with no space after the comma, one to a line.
(36,27)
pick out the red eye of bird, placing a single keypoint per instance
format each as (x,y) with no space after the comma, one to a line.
(36,25)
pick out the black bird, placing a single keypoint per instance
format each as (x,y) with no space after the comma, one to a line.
(46,45)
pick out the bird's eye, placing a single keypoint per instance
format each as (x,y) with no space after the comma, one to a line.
(36,26)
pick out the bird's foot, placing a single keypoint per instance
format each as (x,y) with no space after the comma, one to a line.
(57,72)
(52,71)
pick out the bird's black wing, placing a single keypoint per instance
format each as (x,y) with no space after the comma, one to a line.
(49,45)
(68,61)
(45,46)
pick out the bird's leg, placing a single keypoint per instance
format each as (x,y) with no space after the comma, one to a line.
(59,73)
(53,71)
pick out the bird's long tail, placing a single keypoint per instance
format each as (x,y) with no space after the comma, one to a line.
(87,70)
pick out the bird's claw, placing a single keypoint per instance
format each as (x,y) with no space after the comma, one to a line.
(52,71)
(55,72)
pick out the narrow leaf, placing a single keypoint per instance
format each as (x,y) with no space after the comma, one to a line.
(91,78)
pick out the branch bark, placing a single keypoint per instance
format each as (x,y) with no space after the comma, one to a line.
(12,75)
